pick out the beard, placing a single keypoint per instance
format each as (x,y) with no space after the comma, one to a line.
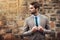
(33,13)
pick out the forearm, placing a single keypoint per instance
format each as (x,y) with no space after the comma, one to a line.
(27,33)
(47,31)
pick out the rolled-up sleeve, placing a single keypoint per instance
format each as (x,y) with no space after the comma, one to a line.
(26,30)
(47,29)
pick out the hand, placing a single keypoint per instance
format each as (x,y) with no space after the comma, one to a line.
(40,28)
(34,29)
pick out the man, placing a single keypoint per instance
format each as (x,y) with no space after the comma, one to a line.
(36,25)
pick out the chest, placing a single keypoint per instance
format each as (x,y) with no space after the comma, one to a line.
(31,22)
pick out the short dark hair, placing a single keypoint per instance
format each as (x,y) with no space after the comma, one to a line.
(35,4)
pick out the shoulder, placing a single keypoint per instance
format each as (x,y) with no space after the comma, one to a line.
(44,17)
(28,18)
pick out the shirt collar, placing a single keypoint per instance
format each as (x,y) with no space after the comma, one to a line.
(37,15)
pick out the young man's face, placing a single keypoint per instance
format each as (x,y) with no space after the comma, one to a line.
(32,9)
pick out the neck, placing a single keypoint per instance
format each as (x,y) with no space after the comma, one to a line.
(37,13)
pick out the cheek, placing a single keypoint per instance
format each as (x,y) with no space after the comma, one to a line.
(32,10)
